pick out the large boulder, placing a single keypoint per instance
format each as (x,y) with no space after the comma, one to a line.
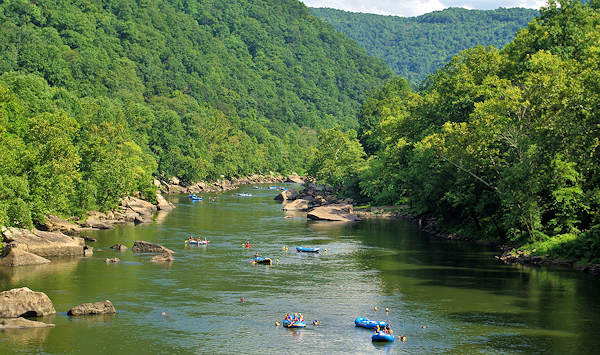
(16,323)
(119,247)
(105,307)
(46,244)
(295,179)
(296,205)
(287,195)
(140,207)
(22,302)
(57,224)
(337,213)
(18,257)
(140,246)
(163,204)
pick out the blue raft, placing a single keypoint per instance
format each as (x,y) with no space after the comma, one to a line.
(296,324)
(307,250)
(195,198)
(382,336)
(369,324)
(244,194)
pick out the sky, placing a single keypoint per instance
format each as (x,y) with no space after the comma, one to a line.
(418,7)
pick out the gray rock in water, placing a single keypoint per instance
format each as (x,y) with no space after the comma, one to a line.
(22,302)
(112,260)
(105,307)
(88,251)
(336,213)
(44,243)
(120,247)
(18,257)
(140,246)
(17,323)
(296,205)
(161,258)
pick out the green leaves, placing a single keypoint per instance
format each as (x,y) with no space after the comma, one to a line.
(337,160)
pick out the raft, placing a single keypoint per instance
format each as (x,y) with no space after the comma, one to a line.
(196,198)
(296,324)
(307,250)
(243,194)
(261,260)
(369,324)
(202,242)
(382,336)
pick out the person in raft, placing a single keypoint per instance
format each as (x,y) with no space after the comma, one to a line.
(288,317)
(388,330)
(191,238)
(300,317)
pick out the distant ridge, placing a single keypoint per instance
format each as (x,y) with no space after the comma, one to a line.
(417,46)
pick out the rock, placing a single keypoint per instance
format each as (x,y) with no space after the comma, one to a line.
(105,307)
(287,195)
(140,207)
(339,213)
(44,243)
(295,179)
(88,251)
(163,204)
(163,257)
(22,302)
(119,247)
(112,260)
(156,183)
(140,246)
(296,205)
(18,257)
(142,219)
(88,239)
(57,224)
(16,323)
(174,180)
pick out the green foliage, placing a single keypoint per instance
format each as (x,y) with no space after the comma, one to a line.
(503,144)
(337,161)
(97,98)
(415,47)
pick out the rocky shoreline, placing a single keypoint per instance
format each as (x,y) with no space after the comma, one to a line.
(321,204)
(175,186)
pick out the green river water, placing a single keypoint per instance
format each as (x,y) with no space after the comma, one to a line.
(469,303)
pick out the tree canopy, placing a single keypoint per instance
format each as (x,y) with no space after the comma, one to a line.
(415,47)
(97,97)
(499,144)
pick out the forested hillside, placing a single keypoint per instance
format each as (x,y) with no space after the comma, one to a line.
(97,97)
(500,144)
(415,47)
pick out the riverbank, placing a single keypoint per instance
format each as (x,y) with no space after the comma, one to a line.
(514,255)
(175,186)
(321,204)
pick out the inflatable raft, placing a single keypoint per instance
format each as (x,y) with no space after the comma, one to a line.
(196,198)
(382,336)
(369,324)
(243,194)
(201,242)
(296,324)
(261,260)
(307,250)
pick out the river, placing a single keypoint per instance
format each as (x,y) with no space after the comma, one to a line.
(468,302)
